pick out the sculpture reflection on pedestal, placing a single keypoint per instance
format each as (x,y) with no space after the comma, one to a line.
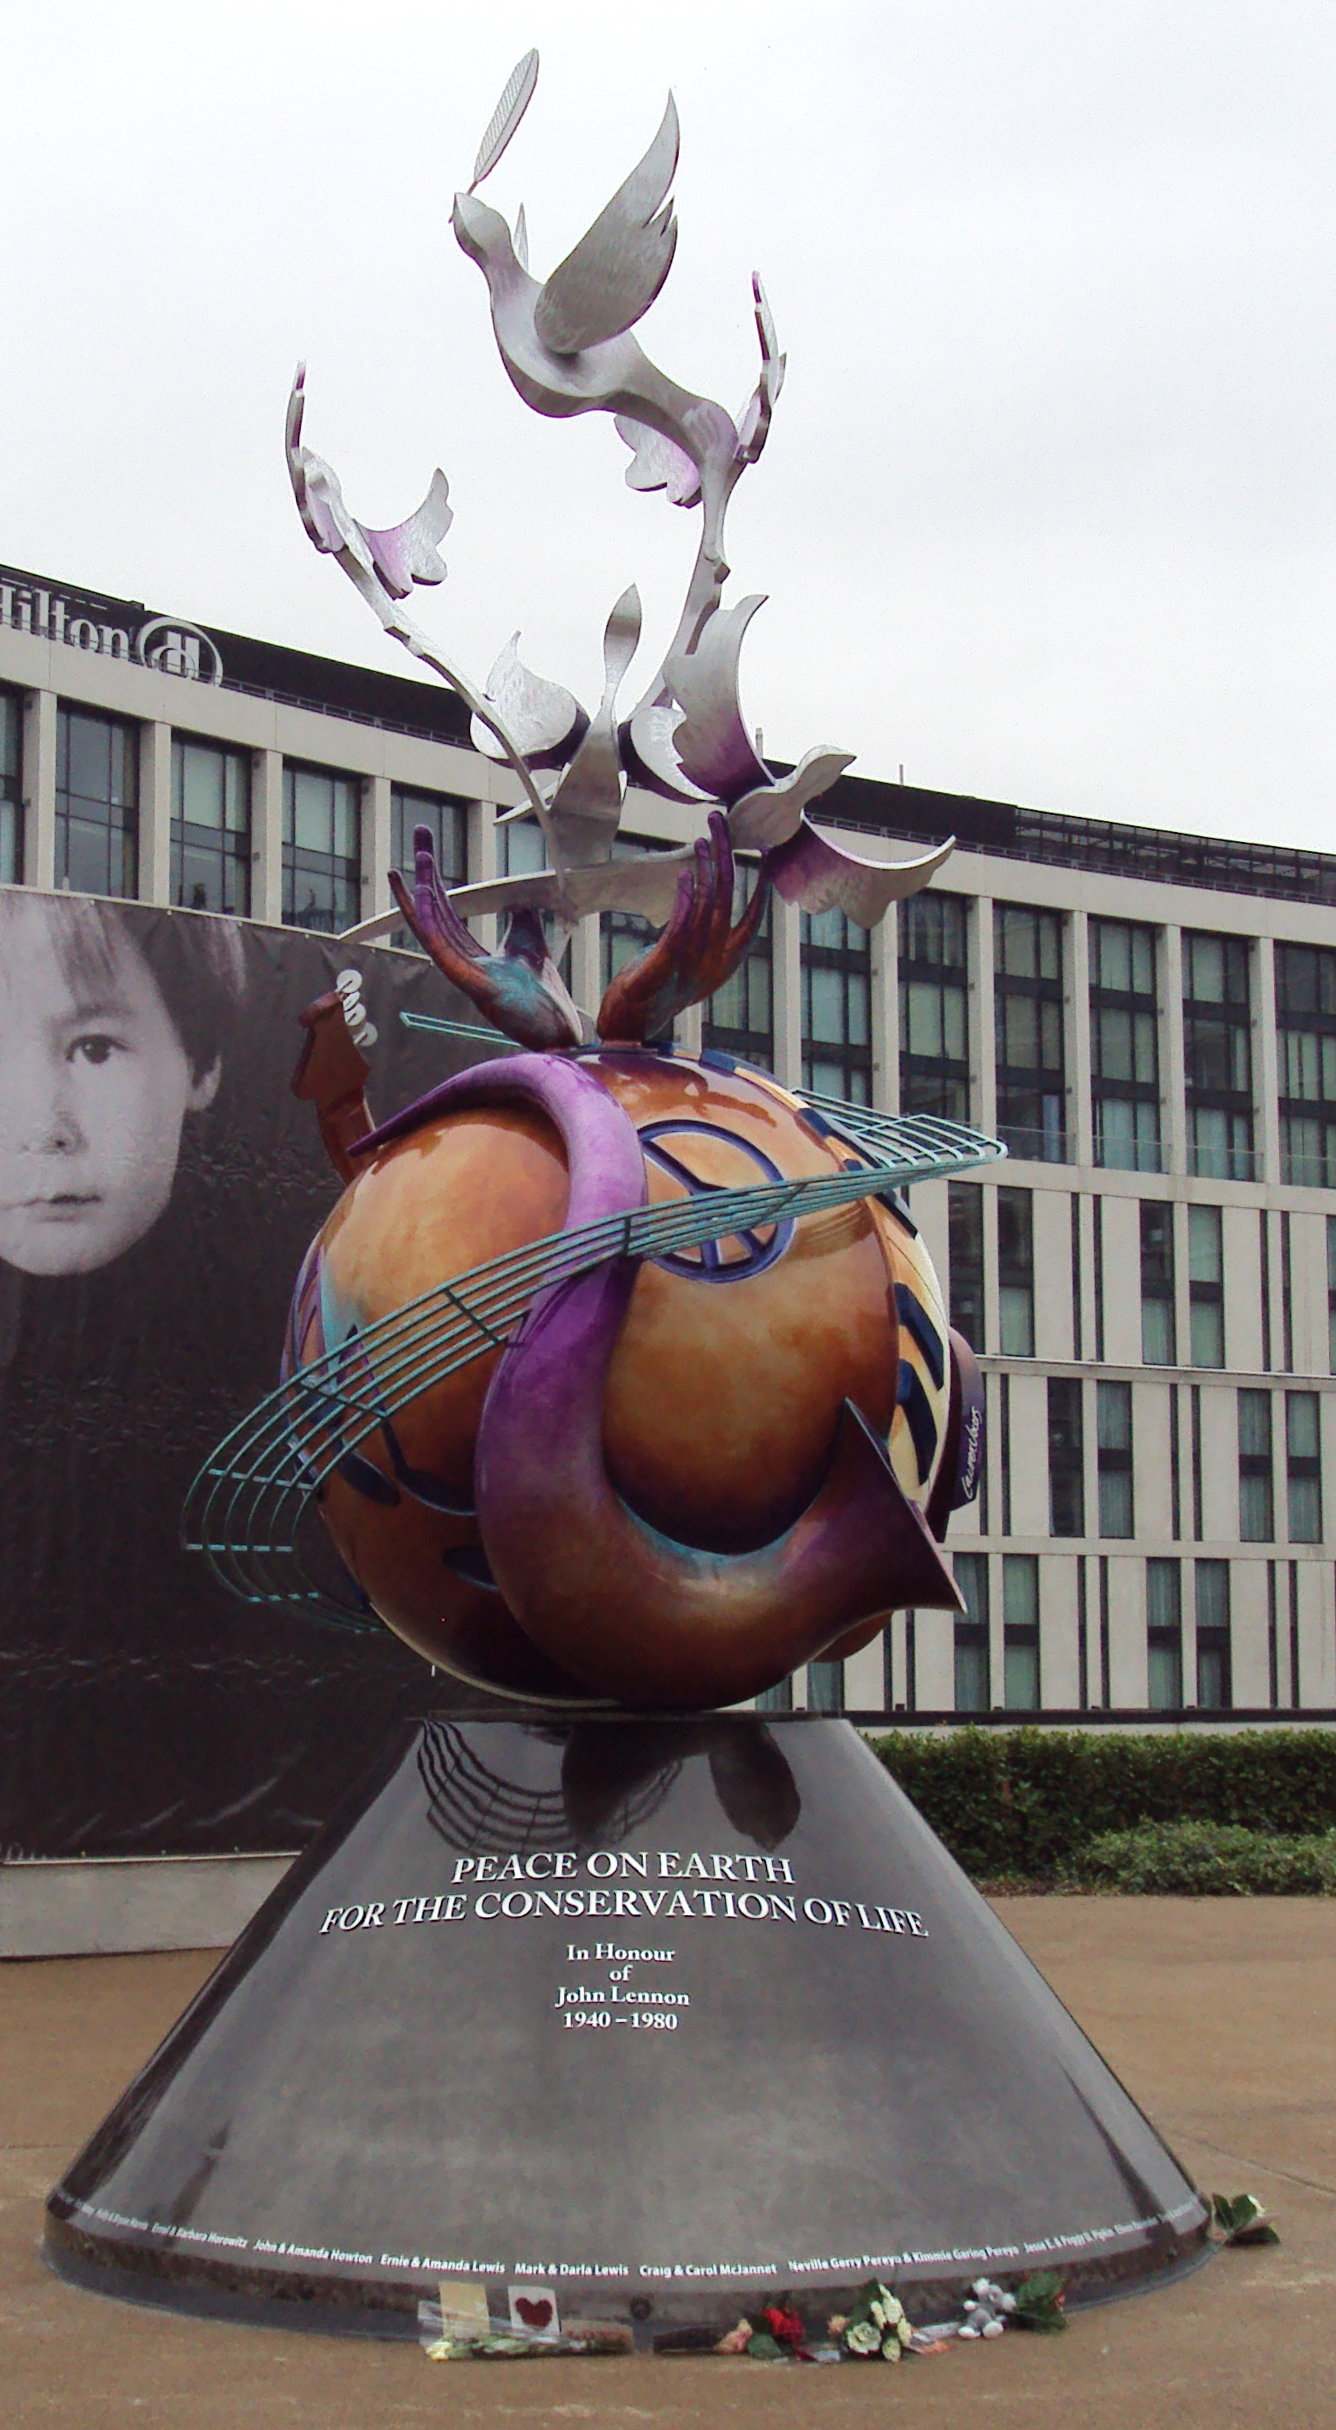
(622,1384)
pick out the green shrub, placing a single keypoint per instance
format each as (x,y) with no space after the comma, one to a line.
(1206,1860)
(1020,1802)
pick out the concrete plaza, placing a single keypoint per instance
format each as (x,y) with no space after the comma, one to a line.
(1220,2016)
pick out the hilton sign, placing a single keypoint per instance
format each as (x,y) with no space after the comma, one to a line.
(164,643)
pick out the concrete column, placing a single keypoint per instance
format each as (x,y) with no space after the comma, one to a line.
(983,1031)
(1173,1102)
(1080,1109)
(39,790)
(884,941)
(155,813)
(1266,1063)
(484,860)
(267,837)
(788,988)
(376,846)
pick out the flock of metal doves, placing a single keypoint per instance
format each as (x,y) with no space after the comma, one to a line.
(567,345)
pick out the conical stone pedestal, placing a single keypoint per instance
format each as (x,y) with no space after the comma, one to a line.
(658,2016)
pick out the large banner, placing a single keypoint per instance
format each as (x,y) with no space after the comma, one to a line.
(158,1186)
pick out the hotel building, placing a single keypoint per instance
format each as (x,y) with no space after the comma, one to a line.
(1147,1019)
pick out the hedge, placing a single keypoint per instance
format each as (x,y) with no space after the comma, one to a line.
(1020,1801)
(1206,1860)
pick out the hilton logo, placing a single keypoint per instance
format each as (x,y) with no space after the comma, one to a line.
(165,643)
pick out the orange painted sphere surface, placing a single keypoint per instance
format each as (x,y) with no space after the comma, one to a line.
(727,1380)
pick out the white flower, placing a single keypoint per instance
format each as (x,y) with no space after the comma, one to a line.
(863,2338)
(890,2351)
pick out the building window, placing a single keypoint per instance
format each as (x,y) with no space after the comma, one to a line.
(1124,1046)
(1066,1458)
(1031,1085)
(1303,1467)
(1214,1685)
(1114,1424)
(1164,1636)
(622,935)
(1217,1055)
(1257,1501)
(964,1201)
(837,1007)
(1020,1632)
(934,997)
(1206,1287)
(11,788)
(739,1017)
(1306,1049)
(1331,1293)
(211,842)
(1015,1273)
(778,1699)
(322,849)
(97,803)
(448,822)
(825,1687)
(972,1685)
(1158,1327)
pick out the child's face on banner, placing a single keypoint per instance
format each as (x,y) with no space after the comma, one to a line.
(94,1087)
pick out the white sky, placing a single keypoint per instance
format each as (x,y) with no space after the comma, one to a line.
(1047,511)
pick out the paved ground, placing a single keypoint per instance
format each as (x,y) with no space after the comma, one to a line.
(1219,2015)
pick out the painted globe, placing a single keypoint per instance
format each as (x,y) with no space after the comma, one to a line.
(646,1503)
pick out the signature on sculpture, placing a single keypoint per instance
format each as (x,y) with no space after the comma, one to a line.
(618,1373)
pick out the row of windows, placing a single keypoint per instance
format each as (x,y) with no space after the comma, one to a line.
(998,1641)
(1126,1077)
(1115,1467)
(1021,1682)
(1012,1332)
(97,822)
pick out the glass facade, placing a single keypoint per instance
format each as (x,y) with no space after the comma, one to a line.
(1031,1079)
(322,849)
(1113,1413)
(1217,1056)
(97,803)
(448,822)
(11,788)
(1214,1665)
(934,1002)
(1124,1046)
(837,1007)
(1303,1467)
(1020,1632)
(1306,1054)
(971,1646)
(965,1244)
(1015,1273)
(1257,1498)
(1066,1457)
(1206,1287)
(1164,1636)
(825,1687)
(211,827)
(740,1017)
(1159,1328)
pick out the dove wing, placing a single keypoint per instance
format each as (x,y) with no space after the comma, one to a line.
(819,875)
(408,552)
(613,275)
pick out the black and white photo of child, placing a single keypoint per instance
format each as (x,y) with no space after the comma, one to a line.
(109,1042)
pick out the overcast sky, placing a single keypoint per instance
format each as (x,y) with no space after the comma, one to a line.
(1047,513)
